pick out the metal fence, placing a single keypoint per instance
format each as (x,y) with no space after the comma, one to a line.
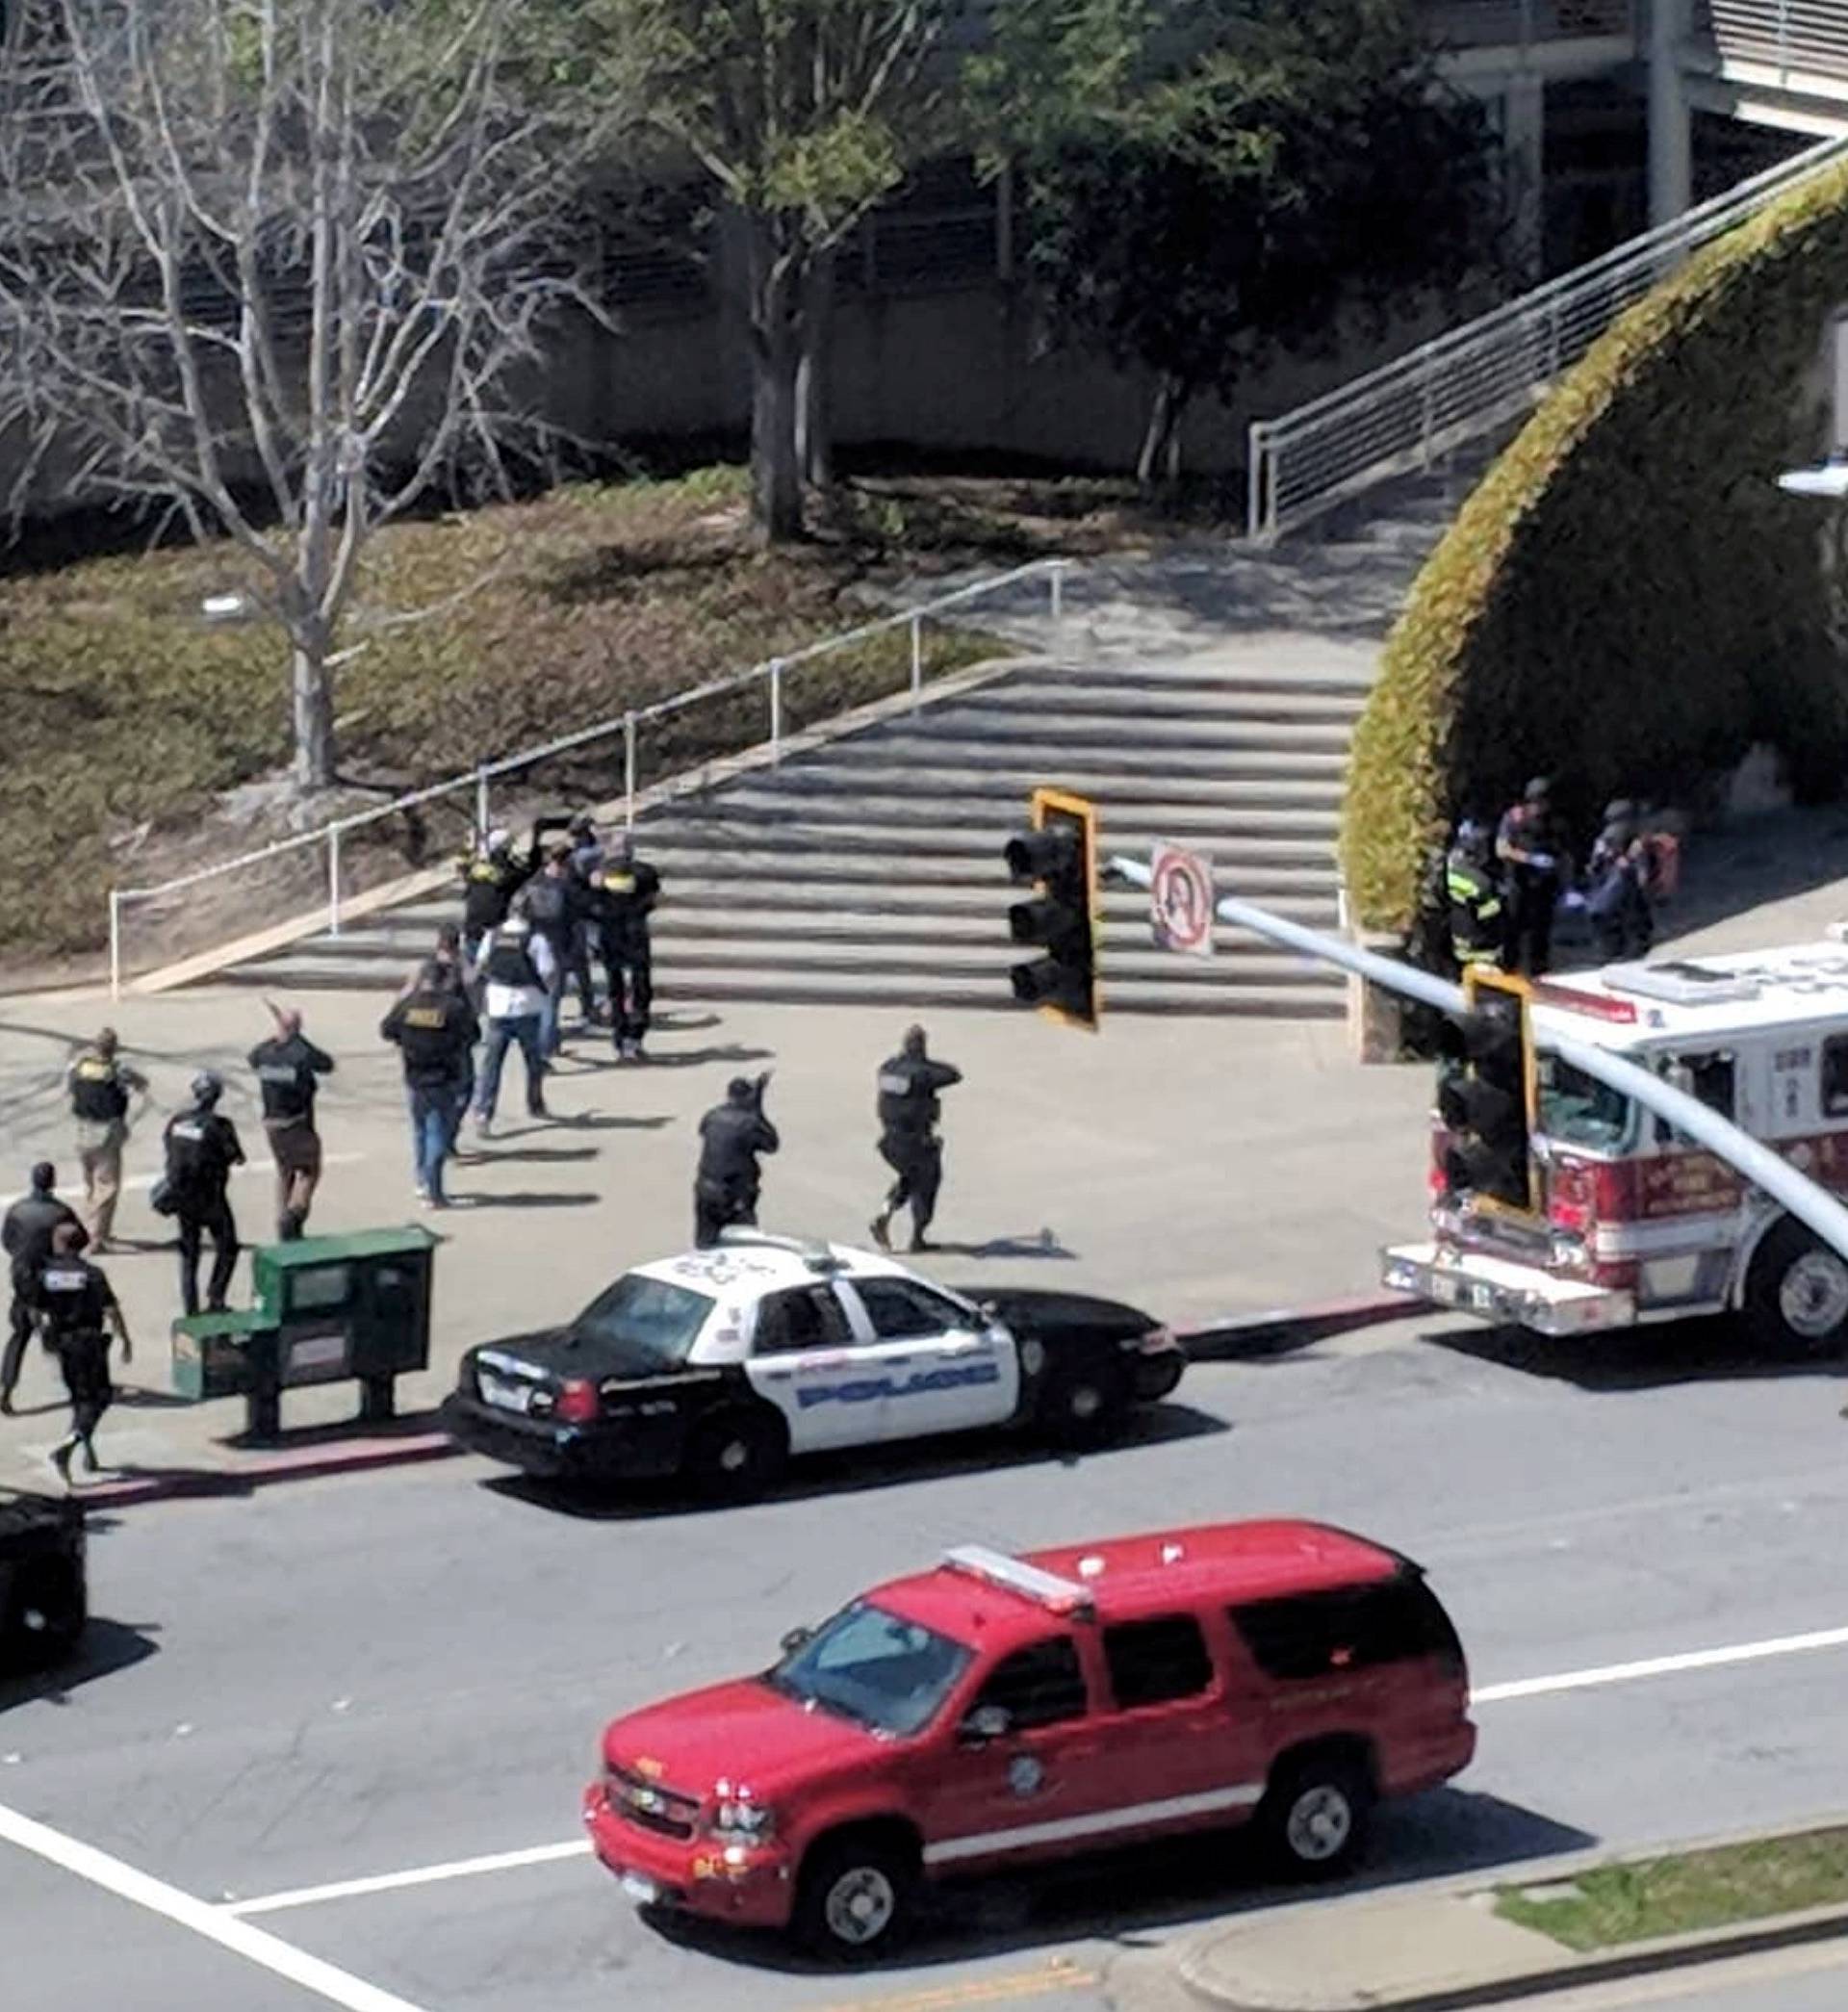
(476,791)
(1406,415)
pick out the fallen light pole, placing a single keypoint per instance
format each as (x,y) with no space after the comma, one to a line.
(1813,1205)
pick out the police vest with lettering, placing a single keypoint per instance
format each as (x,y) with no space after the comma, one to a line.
(96,1090)
(510,962)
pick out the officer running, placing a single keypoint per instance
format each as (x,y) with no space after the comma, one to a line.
(1478,923)
(909,1085)
(626,889)
(434,1027)
(202,1147)
(100,1085)
(25,1237)
(78,1307)
(732,1136)
(288,1066)
(490,881)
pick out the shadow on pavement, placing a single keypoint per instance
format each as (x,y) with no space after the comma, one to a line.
(405,1424)
(1712,1349)
(1763,859)
(107,1646)
(855,1473)
(1126,1896)
(694,1058)
(1042,1243)
(525,1199)
(541,1156)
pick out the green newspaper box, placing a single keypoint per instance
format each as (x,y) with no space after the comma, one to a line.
(328,1309)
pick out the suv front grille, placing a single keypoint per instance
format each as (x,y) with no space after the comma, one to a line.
(652,1808)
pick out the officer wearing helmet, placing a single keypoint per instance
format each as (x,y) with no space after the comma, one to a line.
(490,880)
(1479,921)
(202,1147)
(26,1238)
(909,1088)
(732,1136)
(1527,844)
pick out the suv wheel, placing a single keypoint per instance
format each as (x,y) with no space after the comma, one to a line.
(735,1456)
(855,1898)
(1796,1294)
(1314,1815)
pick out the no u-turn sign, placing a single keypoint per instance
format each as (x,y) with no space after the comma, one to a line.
(1180,900)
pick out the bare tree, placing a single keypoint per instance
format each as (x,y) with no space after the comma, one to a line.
(279,267)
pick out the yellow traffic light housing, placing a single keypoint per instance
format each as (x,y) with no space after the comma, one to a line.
(1490,1101)
(1059,854)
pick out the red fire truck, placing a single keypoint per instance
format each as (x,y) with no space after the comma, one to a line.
(1619,1219)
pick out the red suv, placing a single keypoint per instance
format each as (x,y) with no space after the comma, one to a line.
(1001,1710)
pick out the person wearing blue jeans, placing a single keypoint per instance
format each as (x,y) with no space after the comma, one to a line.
(434,1026)
(519,967)
(432,1108)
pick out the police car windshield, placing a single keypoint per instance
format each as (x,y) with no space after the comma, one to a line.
(874,1667)
(1578,1110)
(648,1322)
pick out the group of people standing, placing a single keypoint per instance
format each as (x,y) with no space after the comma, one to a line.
(1505,885)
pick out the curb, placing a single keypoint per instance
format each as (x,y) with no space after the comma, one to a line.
(1193,1965)
(1279,1327)
(308,1463)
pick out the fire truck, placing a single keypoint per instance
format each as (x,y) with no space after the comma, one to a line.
(1559,1205)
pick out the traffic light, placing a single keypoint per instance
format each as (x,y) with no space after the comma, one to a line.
(1060,853)
(1485,1094)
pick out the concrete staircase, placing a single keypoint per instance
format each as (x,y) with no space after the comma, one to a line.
(1205,694)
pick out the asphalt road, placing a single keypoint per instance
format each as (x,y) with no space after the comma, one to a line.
(368,1676)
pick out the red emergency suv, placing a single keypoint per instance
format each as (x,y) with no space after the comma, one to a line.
(1000,1711)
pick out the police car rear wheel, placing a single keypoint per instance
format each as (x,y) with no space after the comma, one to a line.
(1087,1407)
(737,1455)
(1796,1294)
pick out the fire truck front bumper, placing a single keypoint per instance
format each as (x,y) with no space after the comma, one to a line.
(1508,1294)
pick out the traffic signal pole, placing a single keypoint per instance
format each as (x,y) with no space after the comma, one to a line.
(1813,1205)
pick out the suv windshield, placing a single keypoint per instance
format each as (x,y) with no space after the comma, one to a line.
(645,1321)
(874,1667)
(1578,1110)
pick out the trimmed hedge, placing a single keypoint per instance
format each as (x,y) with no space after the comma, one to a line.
(1627,601)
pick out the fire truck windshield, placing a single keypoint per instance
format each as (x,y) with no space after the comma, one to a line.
(1578,1110)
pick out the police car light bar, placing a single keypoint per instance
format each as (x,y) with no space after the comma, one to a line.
(998,1569)
(817,1256)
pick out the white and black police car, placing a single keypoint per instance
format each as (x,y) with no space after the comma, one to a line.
(715,1367)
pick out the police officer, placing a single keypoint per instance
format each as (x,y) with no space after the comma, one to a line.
(288,1066)
(909,1085)
(1617,878)
(25,1237)
(434,1027)
(78,1307)
(202,1147)
(490,881)
(1527,846)
(732,1136)
(554,904)
(1479,921)
(626,889)
(100,1085)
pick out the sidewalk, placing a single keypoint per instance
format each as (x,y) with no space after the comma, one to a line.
(1442,1947)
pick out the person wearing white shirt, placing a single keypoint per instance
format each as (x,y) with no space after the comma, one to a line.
(517,968)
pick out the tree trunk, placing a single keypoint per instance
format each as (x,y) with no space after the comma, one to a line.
(816,377)
(311,688)
(776,288)
(1159,465)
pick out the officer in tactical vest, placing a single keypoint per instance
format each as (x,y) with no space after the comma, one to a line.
(490,880)
(25,1236)
(202,1147)
(78,1308)
(626,889)
(100,1085)
(289,1067)
(909,1088)
(434,1028)
(1478,920)
(732,1136)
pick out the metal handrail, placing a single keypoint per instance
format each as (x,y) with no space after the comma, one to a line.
(480,779)
(1463,384)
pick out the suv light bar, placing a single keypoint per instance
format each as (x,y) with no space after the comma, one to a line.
(1045,1589)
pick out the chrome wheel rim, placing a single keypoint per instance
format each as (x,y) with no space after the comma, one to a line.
(1321,1821)
(1813,1296)
(859,1906)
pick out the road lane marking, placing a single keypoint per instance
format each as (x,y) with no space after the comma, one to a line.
(338,1987)
(1597,1678)
(1661,1666)
(418,1875)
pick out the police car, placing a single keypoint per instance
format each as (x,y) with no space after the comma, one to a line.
(716,1366)
(43,1590)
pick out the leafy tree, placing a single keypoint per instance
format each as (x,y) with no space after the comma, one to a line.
(273,267)
(801,114)
(1208,187)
